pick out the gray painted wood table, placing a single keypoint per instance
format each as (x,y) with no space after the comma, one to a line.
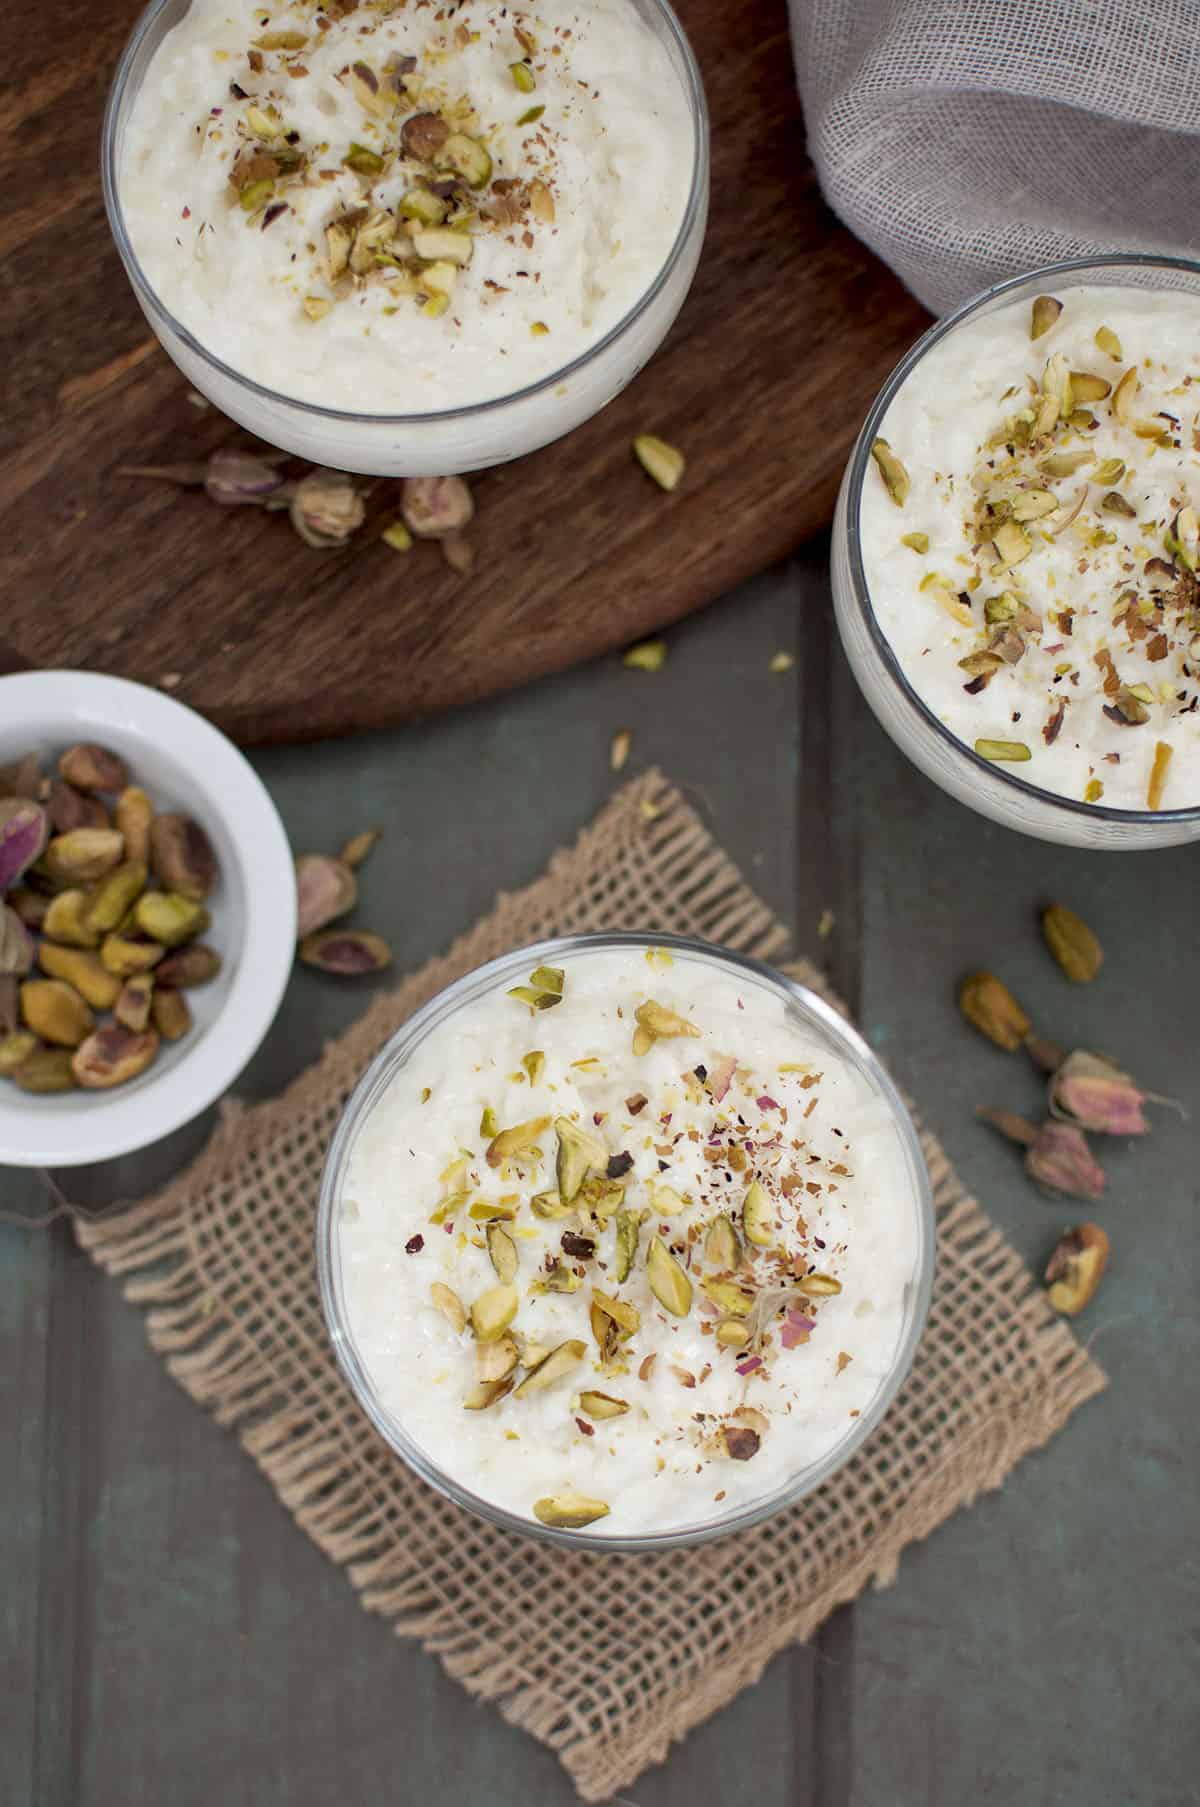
(170,1637)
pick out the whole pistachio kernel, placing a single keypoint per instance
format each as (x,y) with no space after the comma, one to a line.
(990,1007)
(1072,943)
(55,1012)
(895,477)
(112,1056)
(1043,314)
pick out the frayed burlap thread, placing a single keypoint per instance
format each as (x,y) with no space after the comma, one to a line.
(605,1673)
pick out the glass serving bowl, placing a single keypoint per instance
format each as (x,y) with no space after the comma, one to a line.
(453,439)
(993,790)
(820,1023)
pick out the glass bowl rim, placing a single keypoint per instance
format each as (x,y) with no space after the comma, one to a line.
(159,312)
(412,1032)
(856,475)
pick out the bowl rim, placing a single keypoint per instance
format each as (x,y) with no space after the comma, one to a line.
(158,312)
(856,472)
(115,1123)
(375,1079)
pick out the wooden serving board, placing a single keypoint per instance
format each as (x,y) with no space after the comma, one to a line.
(789,331)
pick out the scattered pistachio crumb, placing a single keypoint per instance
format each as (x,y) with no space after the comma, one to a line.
(825,926)
(618,753)
(665,463)
(647,655)
(1094,791)
(782,661)
(397,537)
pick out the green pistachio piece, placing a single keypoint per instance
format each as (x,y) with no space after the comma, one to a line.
(758,1216)
(83,970)
(552,1367)
(602,1405)
(467,158)
(578,1152)
(113,896)
(493,1312)
(895,477)
(569,1511)
(502,1252)
(721,1245)
(629,1225)
(668,1282)
(169,917)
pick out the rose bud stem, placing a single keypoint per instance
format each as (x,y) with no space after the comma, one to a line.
(1017,1129)
(1044,1054)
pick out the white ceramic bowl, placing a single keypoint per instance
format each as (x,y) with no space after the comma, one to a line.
(185,764)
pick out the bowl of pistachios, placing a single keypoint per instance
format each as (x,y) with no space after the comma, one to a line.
(147,916)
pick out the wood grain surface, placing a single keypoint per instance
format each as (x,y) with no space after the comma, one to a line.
(763,382)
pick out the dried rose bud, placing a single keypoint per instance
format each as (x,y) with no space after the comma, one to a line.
(1056,1154)
(1060,1159)
(326,508)
(991,1008)
(1094,1094)
(1076,1267)
(1072,943)
(237,479)
(434,507)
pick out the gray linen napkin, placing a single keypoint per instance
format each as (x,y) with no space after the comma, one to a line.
(965,140)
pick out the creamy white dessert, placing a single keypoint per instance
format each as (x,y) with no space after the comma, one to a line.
(624,1246)
(391,208)
(1030,541)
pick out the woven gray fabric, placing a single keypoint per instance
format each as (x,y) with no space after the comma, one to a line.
(967,140)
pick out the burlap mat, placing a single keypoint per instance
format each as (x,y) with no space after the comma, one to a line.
(605,1672)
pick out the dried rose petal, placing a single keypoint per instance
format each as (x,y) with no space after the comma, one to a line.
(796,1329)
(23,831)
(720,1077)
(1093,1094)
(325,889)
(1060,1159)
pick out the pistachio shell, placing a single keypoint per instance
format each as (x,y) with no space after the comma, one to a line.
(552,1367)
(170,917)
(83,970)
(569,1511)
(493,1312)
(66,920)
(668,1282)
(348,953)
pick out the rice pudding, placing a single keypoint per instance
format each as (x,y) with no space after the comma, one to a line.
(1030,541)
(390,208)
(624,1246)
